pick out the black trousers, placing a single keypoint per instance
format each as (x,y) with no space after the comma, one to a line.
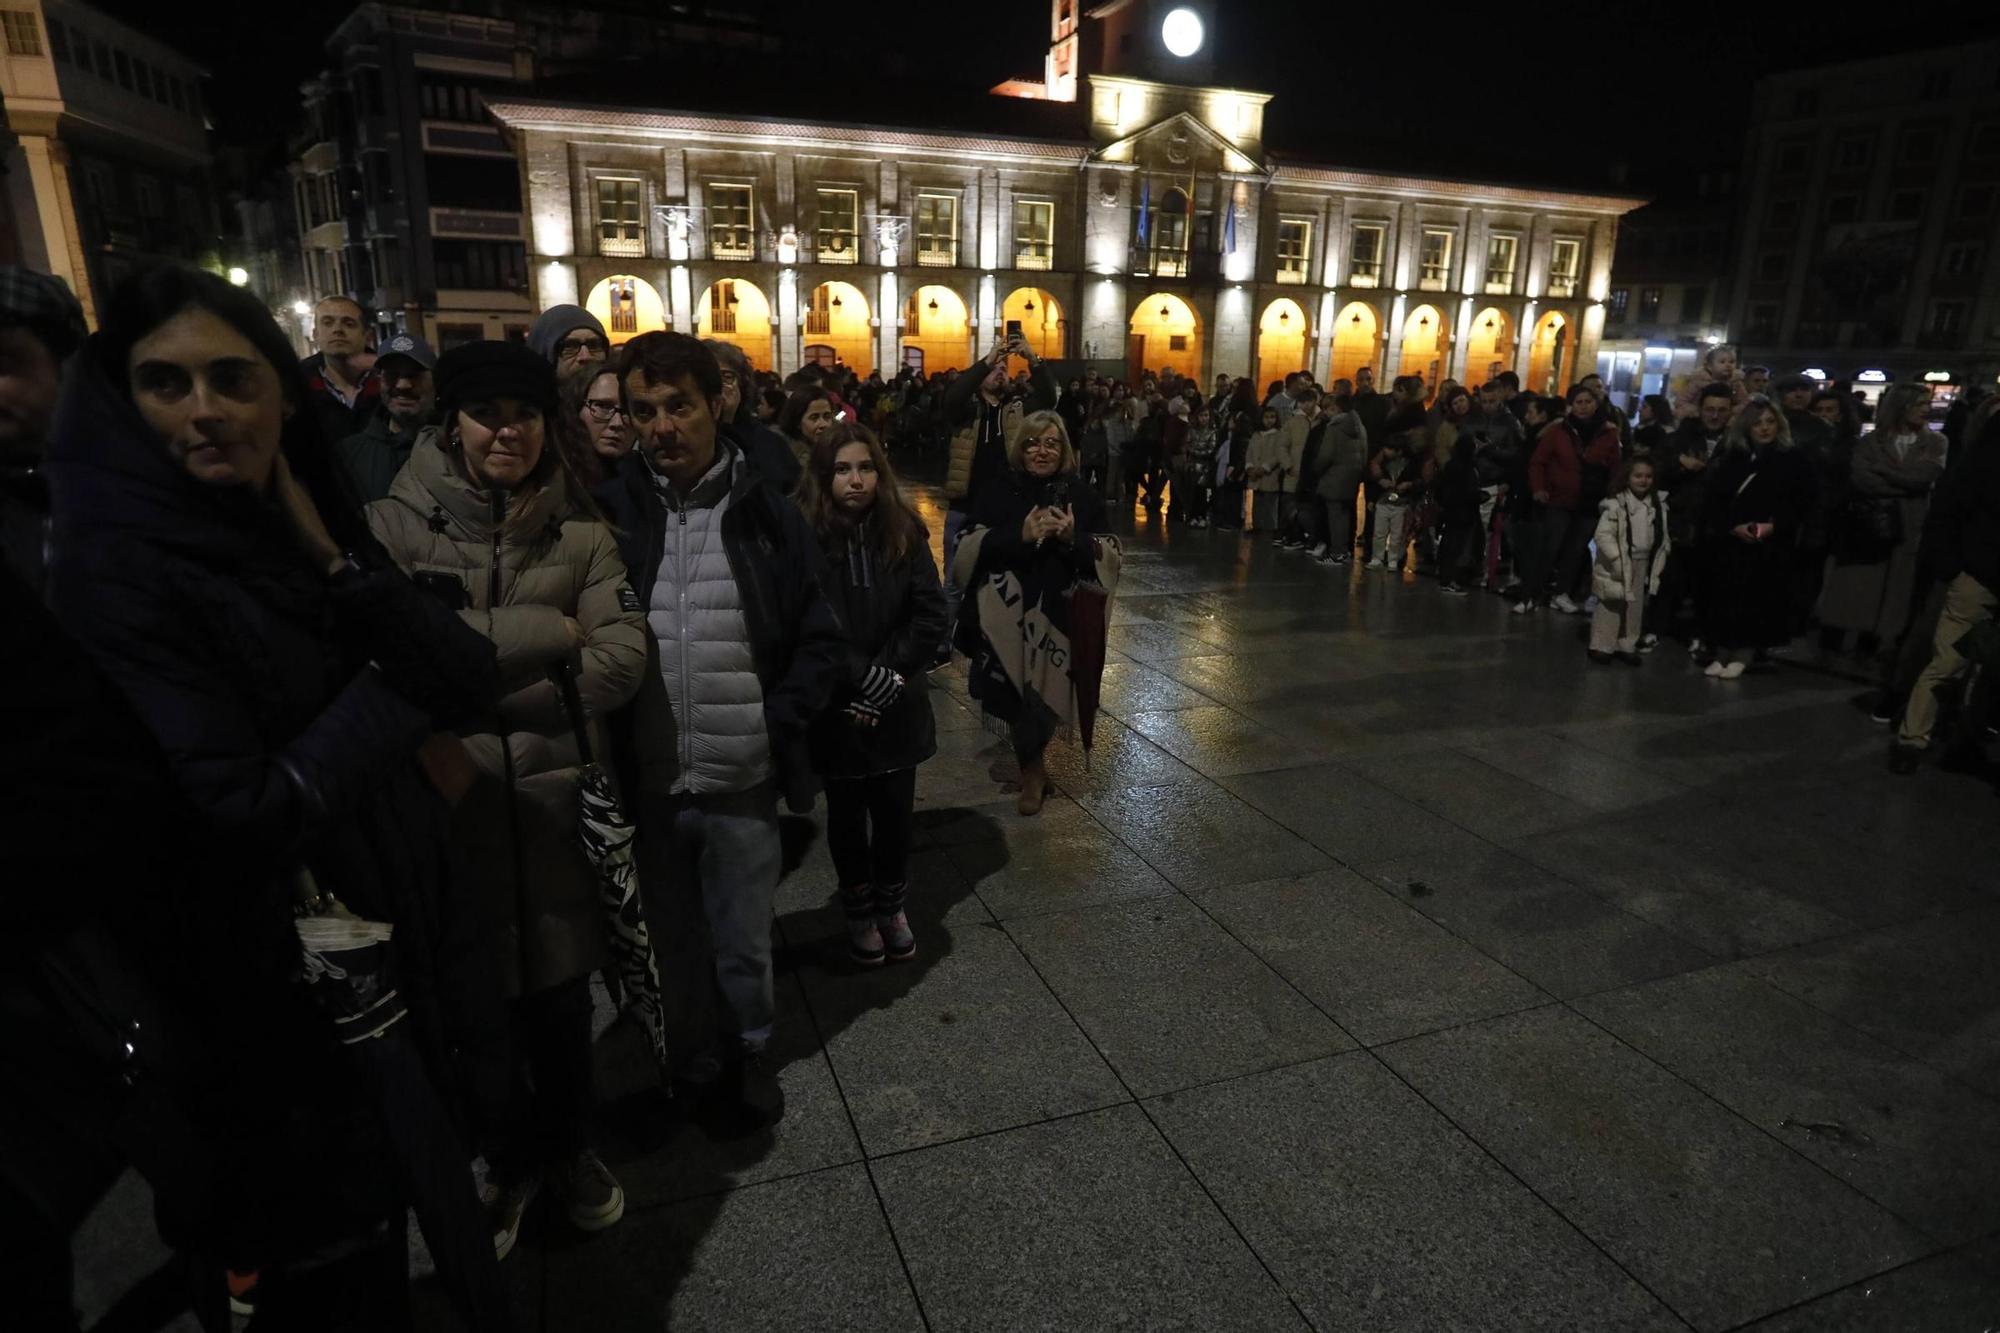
(554,1091)
(1461,547)
(868,828)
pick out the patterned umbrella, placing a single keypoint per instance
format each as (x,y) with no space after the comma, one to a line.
(605,834)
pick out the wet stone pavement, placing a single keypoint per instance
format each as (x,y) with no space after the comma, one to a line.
(1389,967)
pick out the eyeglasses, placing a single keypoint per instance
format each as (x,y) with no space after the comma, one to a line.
(1050,443)
(601,409)
(571,348)
(729,379)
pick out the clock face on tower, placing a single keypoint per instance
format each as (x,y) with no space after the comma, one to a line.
(1182,33)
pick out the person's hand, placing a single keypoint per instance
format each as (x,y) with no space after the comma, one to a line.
(449,767)
(1037,525)
(302,516)
(1541,497)
(575,633)
(1064,520)
(1692,463)
(1744,532)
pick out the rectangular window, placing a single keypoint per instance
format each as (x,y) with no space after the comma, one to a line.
(177,93)
(1649,304)
(101,57)
(1936,83)
(1434,260)
(58,41)
(1694,300)
(1906,205)
(1805,102)
(838,238)
(152,203)
(1947,319)
(1763,322)
(1960,261)
(1500,253)
(481,266)
(1034,233)
(1621,299)
(1565,266)
(937,230)
(123,64)
(621,230)
(1364,257)
(1854,152)
(731,234)
(24,35)
(1294,249)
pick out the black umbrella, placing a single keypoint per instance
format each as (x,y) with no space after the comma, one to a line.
(605,834)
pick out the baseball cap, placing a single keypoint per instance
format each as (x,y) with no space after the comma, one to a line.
(411,346)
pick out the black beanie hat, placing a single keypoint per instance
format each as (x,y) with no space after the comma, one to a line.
(472,371)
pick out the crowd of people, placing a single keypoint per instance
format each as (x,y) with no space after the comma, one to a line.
(424,689)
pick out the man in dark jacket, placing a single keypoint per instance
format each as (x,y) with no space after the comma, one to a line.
(1371,407)
(1813,439)
(341,384)
(40,325)
(766,449)
(1682,468)
(745,653)
(1964,534)
(373,457)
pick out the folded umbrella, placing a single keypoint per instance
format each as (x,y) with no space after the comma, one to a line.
(605,834)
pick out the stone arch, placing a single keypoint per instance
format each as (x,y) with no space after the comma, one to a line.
(937,330)
(1424,338)
(837,320)
(1041,317)
(1165,334)
(626,306)
(1357,340)
(1552,345)
(736,312)
(1489,347)
(1282,333)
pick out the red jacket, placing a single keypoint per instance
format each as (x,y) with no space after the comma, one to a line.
(1556,466)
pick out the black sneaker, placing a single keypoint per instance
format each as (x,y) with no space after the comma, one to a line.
(1887,705)
(1601,658)
(745,1099)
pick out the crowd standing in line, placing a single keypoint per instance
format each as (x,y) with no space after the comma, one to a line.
(352,637)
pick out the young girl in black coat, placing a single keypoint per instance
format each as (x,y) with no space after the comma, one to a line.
(884,587)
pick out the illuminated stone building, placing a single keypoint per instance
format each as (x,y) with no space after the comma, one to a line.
(1120,208)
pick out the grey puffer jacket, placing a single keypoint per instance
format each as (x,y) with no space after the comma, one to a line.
(554,561)
(696,613)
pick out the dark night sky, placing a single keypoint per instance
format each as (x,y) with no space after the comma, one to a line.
(1565,92)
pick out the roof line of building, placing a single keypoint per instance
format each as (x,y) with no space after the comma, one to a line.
(558,116)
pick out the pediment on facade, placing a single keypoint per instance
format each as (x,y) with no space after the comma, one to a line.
(1181,142)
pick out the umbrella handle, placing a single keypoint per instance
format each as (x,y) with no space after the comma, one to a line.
(573,705)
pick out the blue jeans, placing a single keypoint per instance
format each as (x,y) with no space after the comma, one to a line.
(707,885)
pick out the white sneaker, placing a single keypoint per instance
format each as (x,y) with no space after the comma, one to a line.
(1562,603)
(1373,564)
(1522,608)
(1318,551)
(1731,671)
(1714,668)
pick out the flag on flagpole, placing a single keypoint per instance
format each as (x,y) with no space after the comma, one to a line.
(1145,205)
(1229,228)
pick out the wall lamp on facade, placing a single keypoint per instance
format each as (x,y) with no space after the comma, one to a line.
(1029,305)
(301,309)
(1284,316)
(836,303)
(1354,318)
(1164,312)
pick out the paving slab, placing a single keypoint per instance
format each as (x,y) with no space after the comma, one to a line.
(1200,836)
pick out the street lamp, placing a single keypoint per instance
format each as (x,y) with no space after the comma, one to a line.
(1182,32)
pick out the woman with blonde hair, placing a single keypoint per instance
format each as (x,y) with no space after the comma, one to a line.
(1036,577)
(883,586)
(1753,512)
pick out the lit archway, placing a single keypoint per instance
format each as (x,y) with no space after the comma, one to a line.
(1489,348)
(1281,340)
(627,307)
(1041,319)
(735,312)
(1423,345)
(1548,352)
(1357,340)
(937,334)
(1165,336)
(837,319)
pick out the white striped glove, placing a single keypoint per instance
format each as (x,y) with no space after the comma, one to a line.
(879,689)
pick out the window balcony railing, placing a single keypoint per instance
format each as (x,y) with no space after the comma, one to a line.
(722,321)
(1365,275)
(731,243)
(819,322)
(1500,284)
(946,257)
(1562,285)
(838,248)
(1294,277)
(1031,259)
(622,247)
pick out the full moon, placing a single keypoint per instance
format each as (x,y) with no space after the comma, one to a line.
(1182,32)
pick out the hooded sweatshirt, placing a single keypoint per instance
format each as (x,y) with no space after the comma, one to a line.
(556,321)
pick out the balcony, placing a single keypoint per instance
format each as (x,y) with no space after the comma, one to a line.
(1562,285)
(1167,263)
(945,256)
(1292,277)
(1037,260)
(1500,284)
(622,247)
(1365,274)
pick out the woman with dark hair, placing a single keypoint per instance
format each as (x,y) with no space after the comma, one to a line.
(303,691)
(1656,422)
(1569,472)
(1890,472)
(808,414)
(1752,513)
(491,520)
(591,427)
(883,586)
(770,405)
(1025,562)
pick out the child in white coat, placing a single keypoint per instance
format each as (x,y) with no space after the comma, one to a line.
(1264,468)
(1632,545)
